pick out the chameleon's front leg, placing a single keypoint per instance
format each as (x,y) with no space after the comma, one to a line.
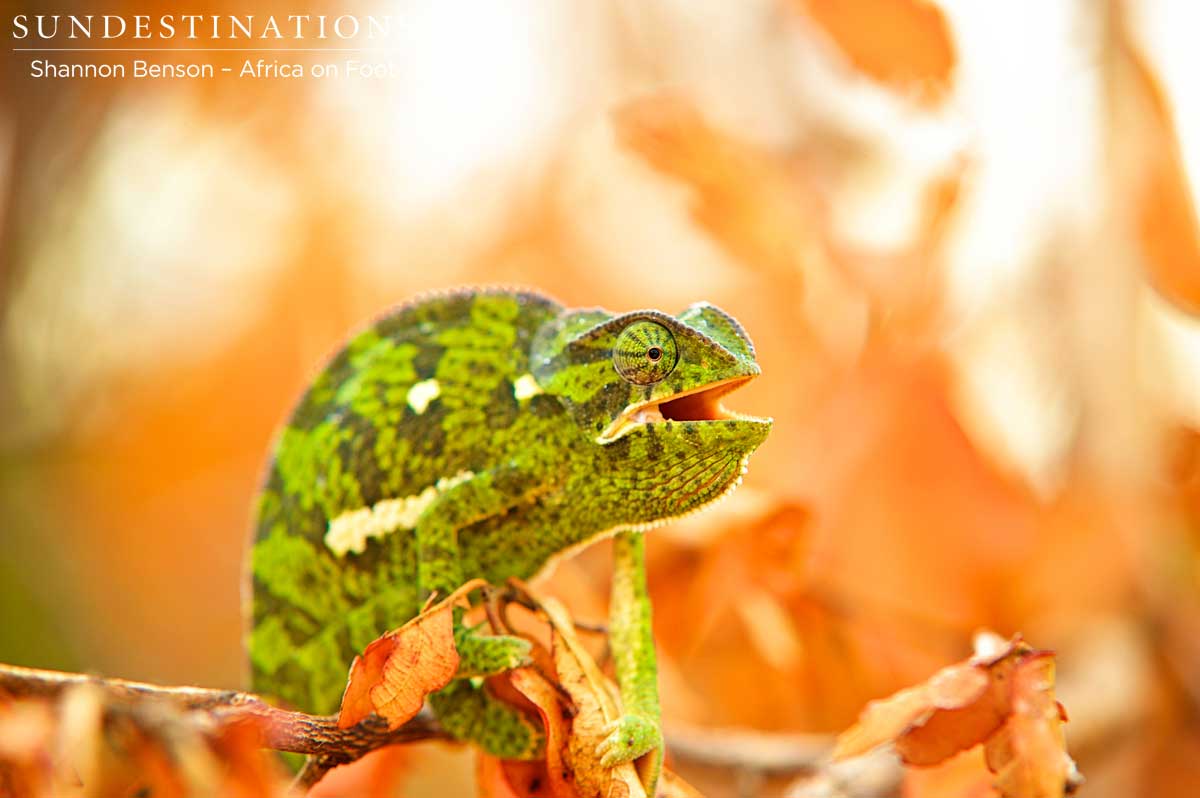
(638,730)
(464,708)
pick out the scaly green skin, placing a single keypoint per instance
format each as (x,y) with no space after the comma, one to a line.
(472,435)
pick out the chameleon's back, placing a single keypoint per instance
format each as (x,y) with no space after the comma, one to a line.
(419,400)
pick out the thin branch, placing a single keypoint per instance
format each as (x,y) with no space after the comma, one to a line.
(22,682)
(279,729)
(771,753)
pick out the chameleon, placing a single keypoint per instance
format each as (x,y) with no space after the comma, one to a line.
(485,433)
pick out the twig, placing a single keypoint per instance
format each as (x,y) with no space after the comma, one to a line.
(279,729)
(755,756)
(765,752)
(22,682)
(498,623)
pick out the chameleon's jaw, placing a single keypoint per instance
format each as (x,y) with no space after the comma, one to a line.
(698,404)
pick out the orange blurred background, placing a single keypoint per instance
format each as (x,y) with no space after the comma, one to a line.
(963,237)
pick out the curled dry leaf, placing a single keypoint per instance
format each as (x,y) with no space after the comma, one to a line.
(962,716)
(1004,698)
(967,689)
(595,706)
(559,778)
(596,710)
(394,674)
(1029,755)
(572,767)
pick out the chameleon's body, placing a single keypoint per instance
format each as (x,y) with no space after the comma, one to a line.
(480,434)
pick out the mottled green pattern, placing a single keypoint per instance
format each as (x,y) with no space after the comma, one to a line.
(523,476)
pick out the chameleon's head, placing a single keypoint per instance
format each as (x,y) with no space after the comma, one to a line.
(646,388)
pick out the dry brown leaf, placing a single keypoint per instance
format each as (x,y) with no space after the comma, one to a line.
(394,674)
(959,706)
(593,696)
(905,44)
(572,768)
(588,730)
(532,685)
(959,722)
(1029,755)
(1004,698)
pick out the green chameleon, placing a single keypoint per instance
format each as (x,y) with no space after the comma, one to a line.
(483,433)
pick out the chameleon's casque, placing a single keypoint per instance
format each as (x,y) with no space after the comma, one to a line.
(479,434)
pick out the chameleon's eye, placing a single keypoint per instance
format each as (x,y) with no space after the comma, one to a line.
(645,353)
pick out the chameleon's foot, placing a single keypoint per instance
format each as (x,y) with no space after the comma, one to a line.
(630,736)
(485,655)
(469,713)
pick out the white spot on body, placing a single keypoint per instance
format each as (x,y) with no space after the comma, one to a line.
(422,393)
(526,387)
(350,531)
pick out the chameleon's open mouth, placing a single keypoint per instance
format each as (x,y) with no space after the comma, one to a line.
(698,404)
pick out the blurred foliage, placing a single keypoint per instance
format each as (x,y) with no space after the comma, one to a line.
(964,240)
